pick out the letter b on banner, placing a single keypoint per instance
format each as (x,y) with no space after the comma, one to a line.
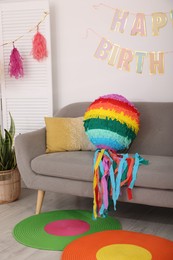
(103,49)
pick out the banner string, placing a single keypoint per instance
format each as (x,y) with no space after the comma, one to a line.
(96,7)
(93,31)
(30,30)
(88,30)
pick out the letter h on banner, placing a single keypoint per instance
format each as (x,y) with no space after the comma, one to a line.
(119,19)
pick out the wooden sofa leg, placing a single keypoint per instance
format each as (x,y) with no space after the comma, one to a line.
(40,197)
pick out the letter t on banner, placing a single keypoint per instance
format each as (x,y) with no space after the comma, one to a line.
(103,49)
(156,61)
(120,18)
(140,60)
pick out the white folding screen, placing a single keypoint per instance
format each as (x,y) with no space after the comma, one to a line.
(29,98)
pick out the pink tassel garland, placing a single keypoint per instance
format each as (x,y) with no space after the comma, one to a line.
(39,50)
(16,64)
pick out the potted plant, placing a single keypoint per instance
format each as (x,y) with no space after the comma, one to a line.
(10,185)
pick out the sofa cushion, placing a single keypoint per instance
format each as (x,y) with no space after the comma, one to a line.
(157,174)
(66,134)
(78,165)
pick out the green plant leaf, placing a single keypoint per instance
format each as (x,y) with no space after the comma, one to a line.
(1,138)
(6,149)
(12,126)
(7,152)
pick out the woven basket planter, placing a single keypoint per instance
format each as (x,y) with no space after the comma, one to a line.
(10,186)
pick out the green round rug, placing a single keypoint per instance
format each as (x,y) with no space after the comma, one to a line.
(56,229)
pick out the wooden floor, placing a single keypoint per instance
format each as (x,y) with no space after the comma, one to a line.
(146,219)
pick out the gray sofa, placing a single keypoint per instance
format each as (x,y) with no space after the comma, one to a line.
(71,172)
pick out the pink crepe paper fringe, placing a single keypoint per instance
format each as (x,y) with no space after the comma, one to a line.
(16,64)
(39,50)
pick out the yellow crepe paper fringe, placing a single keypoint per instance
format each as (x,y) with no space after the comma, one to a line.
(103,114)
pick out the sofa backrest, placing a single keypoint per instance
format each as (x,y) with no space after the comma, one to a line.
(156,126)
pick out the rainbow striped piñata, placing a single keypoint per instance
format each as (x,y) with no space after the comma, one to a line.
(111,123)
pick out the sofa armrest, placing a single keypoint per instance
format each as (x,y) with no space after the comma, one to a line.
(27,147)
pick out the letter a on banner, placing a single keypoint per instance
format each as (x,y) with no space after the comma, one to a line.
(139,26)
(119,20)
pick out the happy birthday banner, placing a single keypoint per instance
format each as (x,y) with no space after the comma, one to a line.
(158,20)
(122,57)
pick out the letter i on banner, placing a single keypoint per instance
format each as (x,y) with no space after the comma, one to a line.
(139,25)
(103,49)
(119,21)
(159,20)
(113,55)
(125,57)
(156,61)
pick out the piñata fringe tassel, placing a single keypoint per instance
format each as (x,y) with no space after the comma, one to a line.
(39,48)
(111,172)
(16,64)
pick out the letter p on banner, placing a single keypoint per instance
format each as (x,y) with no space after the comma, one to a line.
(159,20)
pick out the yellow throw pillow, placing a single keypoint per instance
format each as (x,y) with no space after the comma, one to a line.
(66,134)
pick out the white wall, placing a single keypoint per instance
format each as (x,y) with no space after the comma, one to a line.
(79,76)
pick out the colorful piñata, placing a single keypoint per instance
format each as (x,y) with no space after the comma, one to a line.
(111,123)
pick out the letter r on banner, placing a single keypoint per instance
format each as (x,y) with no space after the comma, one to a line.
(126,56)
(156,61)
(103,49)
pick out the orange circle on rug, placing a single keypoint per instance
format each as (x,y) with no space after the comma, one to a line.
(123,252)
(87,247)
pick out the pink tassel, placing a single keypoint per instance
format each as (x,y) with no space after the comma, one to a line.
(16,64)
(39,50)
